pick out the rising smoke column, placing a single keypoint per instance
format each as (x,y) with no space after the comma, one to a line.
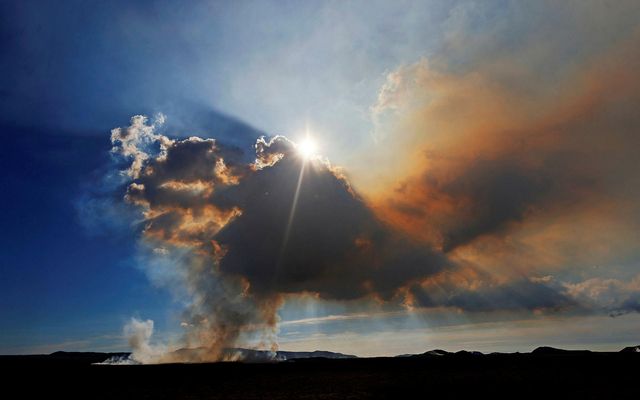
(171,182)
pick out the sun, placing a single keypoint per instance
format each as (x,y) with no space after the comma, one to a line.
(307,148)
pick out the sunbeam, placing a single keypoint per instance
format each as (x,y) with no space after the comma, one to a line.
(293,209)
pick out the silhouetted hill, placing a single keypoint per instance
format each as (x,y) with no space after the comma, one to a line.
(260,356)
(292,355)
(466,353)
(436,352)
(553,350)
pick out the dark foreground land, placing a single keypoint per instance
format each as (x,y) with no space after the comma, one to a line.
(542,374)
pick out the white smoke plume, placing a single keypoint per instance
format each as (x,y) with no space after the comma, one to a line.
(139,335)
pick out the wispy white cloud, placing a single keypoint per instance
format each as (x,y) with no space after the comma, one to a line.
(504,336)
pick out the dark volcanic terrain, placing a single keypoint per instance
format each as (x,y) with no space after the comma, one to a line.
(544,373)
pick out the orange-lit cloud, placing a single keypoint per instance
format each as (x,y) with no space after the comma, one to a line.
(510,178)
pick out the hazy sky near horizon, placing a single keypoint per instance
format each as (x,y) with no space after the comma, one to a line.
(475,183)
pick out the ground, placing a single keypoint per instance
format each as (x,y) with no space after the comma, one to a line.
(570,375)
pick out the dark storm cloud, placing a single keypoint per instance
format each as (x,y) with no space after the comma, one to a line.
(240,236)
(517,295)
(335,246)
(330,243)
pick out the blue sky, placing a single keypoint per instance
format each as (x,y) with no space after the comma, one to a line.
(379,85)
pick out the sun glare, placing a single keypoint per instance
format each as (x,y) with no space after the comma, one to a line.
(307,148)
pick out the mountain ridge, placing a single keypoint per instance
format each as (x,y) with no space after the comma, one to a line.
(265,356)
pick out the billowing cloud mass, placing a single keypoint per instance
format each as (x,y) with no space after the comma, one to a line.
(239,237)
(478,177)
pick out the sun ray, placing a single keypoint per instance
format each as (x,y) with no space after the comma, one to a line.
(294,205)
